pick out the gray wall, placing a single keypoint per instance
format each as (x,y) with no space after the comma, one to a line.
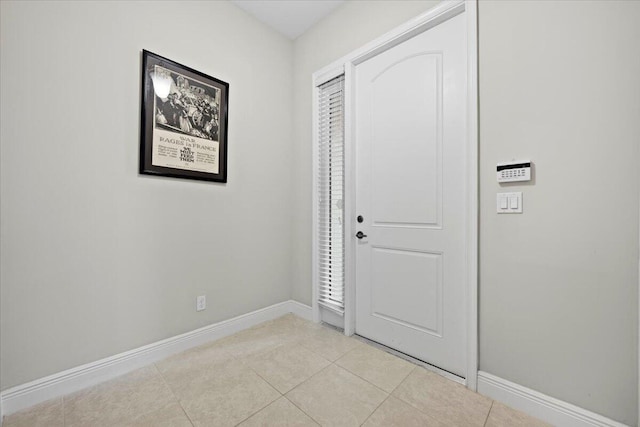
(558,285)
(96,259)
(559,83)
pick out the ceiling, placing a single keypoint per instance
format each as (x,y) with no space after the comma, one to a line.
(289,17)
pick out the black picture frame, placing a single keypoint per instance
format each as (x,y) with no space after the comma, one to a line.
(184,118)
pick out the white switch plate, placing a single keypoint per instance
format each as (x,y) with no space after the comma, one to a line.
(201,303)
(505,202)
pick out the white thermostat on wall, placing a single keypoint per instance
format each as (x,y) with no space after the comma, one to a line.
(514,171)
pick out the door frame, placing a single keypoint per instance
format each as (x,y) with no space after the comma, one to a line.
(346,65)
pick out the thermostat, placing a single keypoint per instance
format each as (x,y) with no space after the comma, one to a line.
(514,171)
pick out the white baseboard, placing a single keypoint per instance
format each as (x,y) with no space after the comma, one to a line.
(301,310)
(71,380)
(546,408)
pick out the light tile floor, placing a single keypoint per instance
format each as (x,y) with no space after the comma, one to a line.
(286,372)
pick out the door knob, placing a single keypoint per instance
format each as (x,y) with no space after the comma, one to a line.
(360,235)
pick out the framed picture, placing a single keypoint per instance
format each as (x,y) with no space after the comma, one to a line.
(183,132)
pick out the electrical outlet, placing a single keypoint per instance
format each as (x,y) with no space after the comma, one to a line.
(201,303)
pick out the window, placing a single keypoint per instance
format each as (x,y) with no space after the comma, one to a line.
(330,183)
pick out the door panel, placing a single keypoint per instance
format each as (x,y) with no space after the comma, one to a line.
(417,307)
(398,145)
(410,127)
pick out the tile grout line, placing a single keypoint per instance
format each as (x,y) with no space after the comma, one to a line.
(294,404)
(414,367)
(358,376)
(363,379)
(388,395)
(294,342)
(245,365)
(321,370)
(411,404)
(400,397)
(431,415)
(486,420)
(166,384)
(375,409)
(334,363)
(403,380)
(262,352)
(259,410)
(369,382)
(270,385)
(345,354)
(403,356)
(302,410)
(284,394)
(174,394)
(328,328)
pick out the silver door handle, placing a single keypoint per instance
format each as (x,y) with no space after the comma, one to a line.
(360,235)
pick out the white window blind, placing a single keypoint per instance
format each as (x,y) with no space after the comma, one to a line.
(330,193)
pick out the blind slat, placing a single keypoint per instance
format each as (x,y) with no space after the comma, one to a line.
(330,185)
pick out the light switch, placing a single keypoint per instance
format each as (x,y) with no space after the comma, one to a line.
(503,203)
(513,202)
(509,202)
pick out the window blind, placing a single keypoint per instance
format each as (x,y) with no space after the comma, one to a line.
(330,194)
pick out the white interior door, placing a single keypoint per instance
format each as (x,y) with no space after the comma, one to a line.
(410,127)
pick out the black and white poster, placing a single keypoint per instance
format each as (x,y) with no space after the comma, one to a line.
(184,120)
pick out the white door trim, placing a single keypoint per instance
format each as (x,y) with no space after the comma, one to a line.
(472,194)
(346,64)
